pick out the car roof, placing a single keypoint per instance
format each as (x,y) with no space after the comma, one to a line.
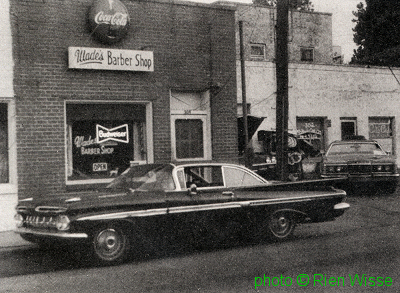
(354,141)
(194,164)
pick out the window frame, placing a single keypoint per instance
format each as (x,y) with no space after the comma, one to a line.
(10,186)
(206,136)
(148,137)
(183,105)
(303,51)
(348,121)
(263,48)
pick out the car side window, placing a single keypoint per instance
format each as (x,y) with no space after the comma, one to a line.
(203,176)
(235,177)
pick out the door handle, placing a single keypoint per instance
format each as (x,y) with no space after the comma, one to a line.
(228,193)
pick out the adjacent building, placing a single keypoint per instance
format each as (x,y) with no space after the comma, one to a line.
(327,100)
(8,147)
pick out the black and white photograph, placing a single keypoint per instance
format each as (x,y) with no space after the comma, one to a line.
(199,146)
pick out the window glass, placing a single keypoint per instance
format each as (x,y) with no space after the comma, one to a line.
(380,127)
(4,163)
(359,148)
(257,51)
(203,176)
(189,138)
(103,139)
(307,54)
(149,177)
(236,177)
(381,130)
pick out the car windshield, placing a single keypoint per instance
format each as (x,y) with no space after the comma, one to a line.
(356,148)
(145,177)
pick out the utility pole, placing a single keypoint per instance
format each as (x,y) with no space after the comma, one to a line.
(282,85)
(244,99)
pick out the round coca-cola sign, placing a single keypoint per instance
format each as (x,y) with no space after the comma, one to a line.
(109,20)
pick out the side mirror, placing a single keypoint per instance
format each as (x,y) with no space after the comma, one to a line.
(192,189)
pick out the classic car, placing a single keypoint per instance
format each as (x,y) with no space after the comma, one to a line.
(202,202)
(360,161)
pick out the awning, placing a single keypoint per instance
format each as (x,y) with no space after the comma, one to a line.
(252,125)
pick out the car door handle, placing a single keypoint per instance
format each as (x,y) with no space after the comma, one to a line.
(228,193)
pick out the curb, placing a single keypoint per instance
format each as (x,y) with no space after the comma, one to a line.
(9,241)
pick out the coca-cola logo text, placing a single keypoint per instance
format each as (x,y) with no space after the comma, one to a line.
(112,19)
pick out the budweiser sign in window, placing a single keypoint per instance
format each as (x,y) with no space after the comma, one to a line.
(109,20)
(103,146)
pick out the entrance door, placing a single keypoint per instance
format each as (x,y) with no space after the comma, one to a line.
(348,127)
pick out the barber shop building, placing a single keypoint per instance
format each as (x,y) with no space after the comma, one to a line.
(98,85)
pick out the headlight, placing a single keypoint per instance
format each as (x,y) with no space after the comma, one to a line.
(335,169)
(19,220)
(62,223)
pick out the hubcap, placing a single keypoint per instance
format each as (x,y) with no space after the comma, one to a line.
(109,244)
(280,226)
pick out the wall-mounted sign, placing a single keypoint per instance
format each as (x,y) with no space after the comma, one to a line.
(109,20)
(110,59)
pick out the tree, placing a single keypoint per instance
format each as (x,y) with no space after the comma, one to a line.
(376,33)
(303,5)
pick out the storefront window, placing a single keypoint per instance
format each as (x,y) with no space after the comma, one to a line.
(311,131)
(103,139)
(4,158)
(381,130)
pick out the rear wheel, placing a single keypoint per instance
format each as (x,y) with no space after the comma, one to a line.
(281,226)
(110,245)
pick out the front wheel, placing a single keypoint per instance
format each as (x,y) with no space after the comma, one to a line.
(281,226)
(110,245)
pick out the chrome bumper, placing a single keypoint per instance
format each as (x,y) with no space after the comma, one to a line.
(341,206)
(59,235)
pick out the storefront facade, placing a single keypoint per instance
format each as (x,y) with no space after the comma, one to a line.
(101,85)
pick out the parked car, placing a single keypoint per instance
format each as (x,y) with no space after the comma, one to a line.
(360,161)
(203,202)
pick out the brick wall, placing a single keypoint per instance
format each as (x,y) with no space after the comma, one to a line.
(194,48)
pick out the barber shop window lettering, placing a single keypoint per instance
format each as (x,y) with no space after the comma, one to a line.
(104,146)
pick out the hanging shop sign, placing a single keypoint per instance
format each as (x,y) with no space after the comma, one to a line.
(109,20)
(110,59)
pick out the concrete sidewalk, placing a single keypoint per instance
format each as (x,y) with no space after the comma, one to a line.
(12,241)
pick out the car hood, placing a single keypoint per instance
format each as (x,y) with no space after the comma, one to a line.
(352,158)
(92,200)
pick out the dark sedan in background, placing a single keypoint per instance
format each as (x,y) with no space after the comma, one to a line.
(361,162)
